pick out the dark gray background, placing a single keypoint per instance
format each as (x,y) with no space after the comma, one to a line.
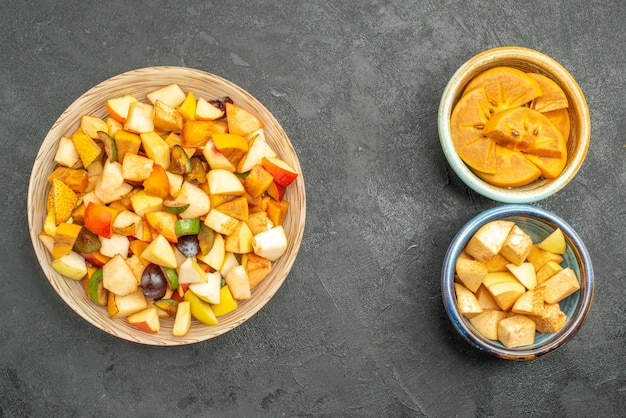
(358,327)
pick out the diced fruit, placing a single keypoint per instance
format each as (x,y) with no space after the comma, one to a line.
(224,182)
(77,180)
(160,252)
(116,244)
(187,226)
(126,223)
(555,242)
(90,125)
(525,273)
(200,309)
(182,322)
(198,200)
(240,121)
(198,171)
(64,239)
(118,107)
(517,246)
(489,239)
(146,320)
(170,306)
(63,200)
(238,283)
(513,169)
(196,133)
(172,95)
(550,320)
(99,219)
(206,111)
(96,290)
(282,172)
(271,244)
(66,154)
(467,302)
(227,302)
(110,148)
(157,184)
(471,273)
(121,306)
(506,293)
(126,143)
(487,322)
(258,149)
(143,203)
(220,222)
(117,277)
(208,291)
(530,303)
(552,96)
(215,257)
(256,267)
(156,148)
(163,223)
(190,272)
(188,245)
(187,109)
(237,208)
(180,163)
(240,240)
(230,261)
(86,241)
(561,285)
(516,331)
(71,265)
(174,207)
(277,211)
(216,159)
(167,118)
(136,167)
(258,181)
(547,271)
(539,257)
(139,119)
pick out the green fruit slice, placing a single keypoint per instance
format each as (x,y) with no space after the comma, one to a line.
(170,306)
(96,290)
(176,208)
(109,145)
(179,161)
(187,226)
(172,277)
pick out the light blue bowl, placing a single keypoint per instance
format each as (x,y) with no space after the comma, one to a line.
(538,223)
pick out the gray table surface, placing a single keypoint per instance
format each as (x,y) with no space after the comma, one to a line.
(358,327)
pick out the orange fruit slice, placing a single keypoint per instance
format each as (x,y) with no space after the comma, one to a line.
(552,96)
(560,120)
(466,128)
(550,167)
(505,87)
(524,129)
(513,169)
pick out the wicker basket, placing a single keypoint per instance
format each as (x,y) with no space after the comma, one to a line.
(138,83)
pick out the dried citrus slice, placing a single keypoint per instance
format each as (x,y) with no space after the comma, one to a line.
(560,120)
(524,129)
(552,96)
(513,169)
(466,128)
(505,87)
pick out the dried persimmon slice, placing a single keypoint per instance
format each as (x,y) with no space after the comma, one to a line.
(513,169)
(552,96)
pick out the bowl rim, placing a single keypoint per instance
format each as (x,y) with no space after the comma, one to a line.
(536,59)
(175,74)
(586,280)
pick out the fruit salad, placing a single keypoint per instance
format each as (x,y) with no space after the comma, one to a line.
(170,207)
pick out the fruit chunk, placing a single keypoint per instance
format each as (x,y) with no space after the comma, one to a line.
(190,272)
(71,265)
(139,119)
(525,273)
(160,252)
(530,303)
(555,242)
(146,320)
(121,306)
(516,331)
(547,271)
(550,320)
(561,285)
(99,219)
(238,283)
(66,154)
(63,200)
(224,182)
(172,95)
(96,290)
(166,118)
(240,121)
(489,239)
(198,200)
(86,147)
(505,87)
(156,148)
(227,302)
(206,111)
(257,268)
(466,301)
(182,322)
(117,277)
(64,239)
(77,180)
(487,322)
(471,273)
(282,172)
(270,244)
(517,246)
(200,309)
(208,291)
(118,107)
(552,96)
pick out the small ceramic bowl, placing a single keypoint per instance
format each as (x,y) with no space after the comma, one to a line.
(527,60)
(538,223)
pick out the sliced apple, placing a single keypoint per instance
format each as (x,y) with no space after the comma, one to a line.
(208,291)
(198,200)
(156,148)
(122,306)
(206,111)
(282,172)
(90,125)
(216,159)
(215,257)
(525,273)
(136,167)
(166,118)
(221,222)
(160,252)
(258,148)
(66,154)
(224,182)
(190,272)
(71,265)
(240,121)
(139,119)
(114,245)
(118,107)
(238,283)
(146,320)
(555,242)
(172,95)
(182,321)
(117,277)
(200,309)
(270,244)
